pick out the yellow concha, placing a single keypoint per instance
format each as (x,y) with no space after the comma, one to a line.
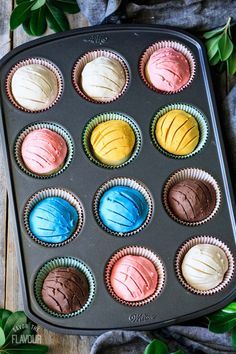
(177,132)
(113,142)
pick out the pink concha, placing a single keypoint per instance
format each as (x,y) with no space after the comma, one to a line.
(134,278)
(43,151)
(167,70)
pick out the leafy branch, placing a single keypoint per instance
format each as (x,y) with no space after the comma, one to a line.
(16,334)
(220,48)
(37,15)
(158,347)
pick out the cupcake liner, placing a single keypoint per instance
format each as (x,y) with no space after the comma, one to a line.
(104,117)
(54,192)
(40,61)
(64,262)
(54,127)
(123,181)
(192,173)
(137,251)
(86,58)
(204,240)
(167,44)
(202,125)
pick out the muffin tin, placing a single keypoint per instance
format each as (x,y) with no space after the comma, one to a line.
(94,248)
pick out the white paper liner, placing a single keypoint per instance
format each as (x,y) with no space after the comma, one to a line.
(167,44)
(54,192)
(123,181)
(204,240)
(44,125)
(137,251)
(104,117)
(64,262)
(202,125)
(192,173)
(88,57)
(40,61)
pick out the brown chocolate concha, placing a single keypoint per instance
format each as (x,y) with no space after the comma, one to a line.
(192,200)
(65,290)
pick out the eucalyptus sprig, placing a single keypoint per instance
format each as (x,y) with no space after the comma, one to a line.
(220,47)
(16,334)
(224,321)
(36,15)
(158,347)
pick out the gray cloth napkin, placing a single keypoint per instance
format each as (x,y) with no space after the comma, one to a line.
(196,15)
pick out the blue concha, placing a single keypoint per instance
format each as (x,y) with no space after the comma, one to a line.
(53,220)
(123,209)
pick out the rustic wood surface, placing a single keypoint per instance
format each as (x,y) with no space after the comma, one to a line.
(10,292)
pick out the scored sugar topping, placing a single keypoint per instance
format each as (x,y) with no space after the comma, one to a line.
(65,290)
(103,79)
(134,278)
(167,70)
(192,200)
(43,151)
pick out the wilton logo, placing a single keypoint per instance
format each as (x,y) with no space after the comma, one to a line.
(141,317)
(26,336)
(96,39)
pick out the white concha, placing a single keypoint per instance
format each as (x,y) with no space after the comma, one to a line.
(34,87)
(103,79)
(204,266)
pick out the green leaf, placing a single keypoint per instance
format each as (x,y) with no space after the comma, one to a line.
(14,321)
(56,19)
(156,347)
(20,1)
(212,46)
(232,71)
(215,60)
(233,336)
(225,47)
(28,349)
(212,33)
(26,26)
(2,337)
(231,308)
(69,6)
(4,314)
(38,4)
(20,14)
(221,322)
(38,24)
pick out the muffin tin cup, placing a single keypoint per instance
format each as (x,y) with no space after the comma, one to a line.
(67,262)
(167,44)
(137,251)
(54,192)
(204,240)
(39,61)
(88,57)
(104,117)
(192,173)
(129,182)
(202,124)
(57,129)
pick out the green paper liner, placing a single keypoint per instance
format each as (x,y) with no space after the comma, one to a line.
(137,251)
(192,173)
(54,127)
(40,61)
(104,117)
(204,240)
(202,125)
(167,44)
(123,181)
(54,192)
(68,262)
(88,57)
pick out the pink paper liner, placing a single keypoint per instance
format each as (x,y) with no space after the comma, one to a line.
(129,182)
(137,251)
(204,240)
(54,192)
(194,173)
(167,44)
(39,61)
(88,57)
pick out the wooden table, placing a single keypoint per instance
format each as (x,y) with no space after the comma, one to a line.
(10,292)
